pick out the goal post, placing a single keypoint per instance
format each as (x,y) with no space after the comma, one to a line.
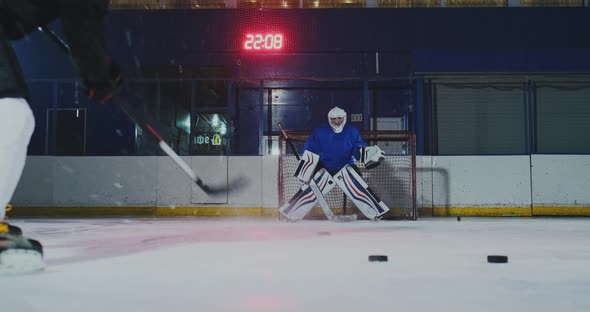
(394,181)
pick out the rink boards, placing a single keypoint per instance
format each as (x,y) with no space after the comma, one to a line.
(152,185)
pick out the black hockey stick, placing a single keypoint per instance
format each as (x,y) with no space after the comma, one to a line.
(291,146)
(140,119)
(319,196)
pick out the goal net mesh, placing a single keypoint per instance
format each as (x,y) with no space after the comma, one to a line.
(394,180)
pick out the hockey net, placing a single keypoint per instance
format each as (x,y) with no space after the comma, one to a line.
(394,181)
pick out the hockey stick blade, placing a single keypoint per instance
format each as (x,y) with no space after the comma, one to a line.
(231,186)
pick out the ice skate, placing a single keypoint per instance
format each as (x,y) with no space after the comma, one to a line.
(378,218)
(6,228)
(20,255)
(286,218)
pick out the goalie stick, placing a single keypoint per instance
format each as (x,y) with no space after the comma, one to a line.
(140,120)
(314,187)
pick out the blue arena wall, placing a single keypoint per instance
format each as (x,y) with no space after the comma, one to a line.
(336,47)
(342,42)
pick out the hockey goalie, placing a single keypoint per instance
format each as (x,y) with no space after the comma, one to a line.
(328,160)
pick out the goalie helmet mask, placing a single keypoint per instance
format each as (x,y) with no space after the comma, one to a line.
(334,116)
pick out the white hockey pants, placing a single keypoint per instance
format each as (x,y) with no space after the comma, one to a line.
(16,127)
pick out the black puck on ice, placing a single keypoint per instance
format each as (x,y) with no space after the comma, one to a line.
(377,258)
(497,259)
(458,218)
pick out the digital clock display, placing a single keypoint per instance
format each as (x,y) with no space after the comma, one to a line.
(263,42)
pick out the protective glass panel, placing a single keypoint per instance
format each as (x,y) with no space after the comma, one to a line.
(484,119)
(561,119)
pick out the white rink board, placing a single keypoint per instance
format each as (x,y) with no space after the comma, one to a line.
(213,170)
(249,167)
(174,189)
(481,181)
(112,181)
(561,180)
(442,181)
(143,181)
(36,183)
(424,175)
(270,176)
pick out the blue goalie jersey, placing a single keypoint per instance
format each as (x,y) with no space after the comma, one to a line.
(336,150)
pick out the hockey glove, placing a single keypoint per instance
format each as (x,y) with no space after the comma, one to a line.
(371,156)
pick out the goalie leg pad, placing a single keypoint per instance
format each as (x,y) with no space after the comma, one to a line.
(357,190)
(304,200)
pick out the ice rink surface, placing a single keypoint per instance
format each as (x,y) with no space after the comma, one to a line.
(187,264)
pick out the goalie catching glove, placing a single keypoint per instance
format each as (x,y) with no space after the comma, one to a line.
(371,156)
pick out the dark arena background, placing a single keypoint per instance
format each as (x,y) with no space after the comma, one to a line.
(472,80)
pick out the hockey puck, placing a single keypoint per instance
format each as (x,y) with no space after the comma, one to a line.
(377,258)
(497,259)
(458,218)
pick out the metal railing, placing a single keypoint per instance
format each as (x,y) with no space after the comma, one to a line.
(311,4)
